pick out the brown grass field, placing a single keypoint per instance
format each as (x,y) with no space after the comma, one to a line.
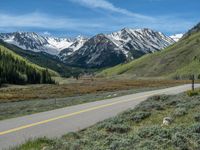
(17,93)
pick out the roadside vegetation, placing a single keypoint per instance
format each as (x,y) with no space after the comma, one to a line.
(139,128)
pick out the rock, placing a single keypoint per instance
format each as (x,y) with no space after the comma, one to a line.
(109,95)
(45,148)
(114,94)
(167,121)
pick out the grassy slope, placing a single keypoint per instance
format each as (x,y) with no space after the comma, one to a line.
(180,59)
(140,128)
(43,60)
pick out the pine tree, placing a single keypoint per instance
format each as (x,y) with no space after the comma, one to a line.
(14,70)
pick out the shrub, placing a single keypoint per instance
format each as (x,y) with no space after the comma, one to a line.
(179,140)
(115,121)
(139,116)
(192,93)
(195,129)
(180,112)
(119,128)
(147,145)
(156,97)
(149,106)
(120,144)
(197,117)
(154,132)
(71,136)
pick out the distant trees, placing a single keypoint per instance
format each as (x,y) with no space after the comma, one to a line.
(14,70)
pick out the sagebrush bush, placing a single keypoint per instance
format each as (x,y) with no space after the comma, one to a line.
(119,128)
(197,117)
(159,98)
(120,144)
(180,112)
(150,106)
(147,145)
(179,140)
(112,125)
(71,136)
(139,116)
(154,131)
(154,103)
(195,129)
(192,93)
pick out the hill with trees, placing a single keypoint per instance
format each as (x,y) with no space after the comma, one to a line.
(45,60)
(16,70)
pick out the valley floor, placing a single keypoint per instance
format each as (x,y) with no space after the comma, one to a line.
(139,128)
(18,101)
(71,87)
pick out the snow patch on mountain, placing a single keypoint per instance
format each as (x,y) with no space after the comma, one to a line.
(144,40)
(37,43)
(59,43)
(177,37)
(78,43)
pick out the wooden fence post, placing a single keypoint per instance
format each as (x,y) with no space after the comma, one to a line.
(192,82)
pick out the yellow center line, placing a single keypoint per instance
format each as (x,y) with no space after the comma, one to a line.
(76,113)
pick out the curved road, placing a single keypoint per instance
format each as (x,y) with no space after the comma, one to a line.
(60,121)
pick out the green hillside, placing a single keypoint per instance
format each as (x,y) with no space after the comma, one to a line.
(16,70)
(44,60)
(177,61)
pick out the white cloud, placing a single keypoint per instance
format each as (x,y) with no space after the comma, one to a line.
(39,20)
(90,26)
(106,5)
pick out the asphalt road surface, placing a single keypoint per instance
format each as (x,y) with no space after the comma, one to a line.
(57,122)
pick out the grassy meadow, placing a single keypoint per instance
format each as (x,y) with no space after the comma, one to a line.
(79,87)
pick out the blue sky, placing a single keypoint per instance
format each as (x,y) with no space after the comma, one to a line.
(89,17)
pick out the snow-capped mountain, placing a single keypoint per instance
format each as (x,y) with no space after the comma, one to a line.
(59,43)
(177,37)
(37,43)
(110,49)
(143,40)
(102,50)
(98,51)
(76,45)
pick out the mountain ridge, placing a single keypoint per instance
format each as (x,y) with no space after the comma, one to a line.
(178,61)
(121,46)
(38,43)
(132,44)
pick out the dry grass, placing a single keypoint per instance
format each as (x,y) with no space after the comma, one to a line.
(79,88)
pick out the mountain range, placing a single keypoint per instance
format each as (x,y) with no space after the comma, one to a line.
(163,57)
(102,50)
(35,42)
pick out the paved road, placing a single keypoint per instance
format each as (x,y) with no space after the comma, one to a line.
(58,122)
